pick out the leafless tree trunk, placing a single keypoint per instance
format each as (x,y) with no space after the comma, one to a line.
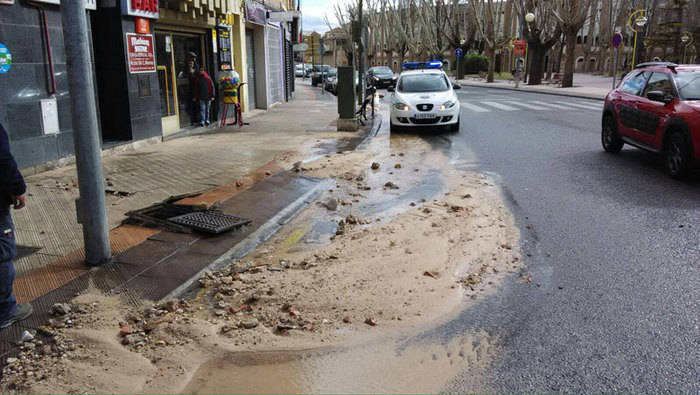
(489,22)
(541,34)
(571,15)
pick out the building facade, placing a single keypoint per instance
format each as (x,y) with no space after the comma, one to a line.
(145,55)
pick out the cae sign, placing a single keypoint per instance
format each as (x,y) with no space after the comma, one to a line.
(142,8)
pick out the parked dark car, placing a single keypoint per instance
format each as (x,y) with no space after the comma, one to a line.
(381,77)
(656,108)
(319,73)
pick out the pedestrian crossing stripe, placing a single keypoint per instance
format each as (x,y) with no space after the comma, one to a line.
(474,107)
(500,106)
(505,105)
(588,106)
(528,106)
(557,106)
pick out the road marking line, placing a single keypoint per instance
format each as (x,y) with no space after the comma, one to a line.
(541,103)
(528,106)
(587,106)
(473,107)
(500,106)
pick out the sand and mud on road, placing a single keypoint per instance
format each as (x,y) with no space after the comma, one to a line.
(399,242)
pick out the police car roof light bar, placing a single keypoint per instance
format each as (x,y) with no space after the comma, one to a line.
(433,64)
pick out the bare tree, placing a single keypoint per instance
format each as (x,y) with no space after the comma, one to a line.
(571,15)
(590,33)
(434,16)
(462,27)
(694,28)
(489,22)
(345,16)
(541,34)
(405,32)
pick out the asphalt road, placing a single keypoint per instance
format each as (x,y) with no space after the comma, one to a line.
(612,248)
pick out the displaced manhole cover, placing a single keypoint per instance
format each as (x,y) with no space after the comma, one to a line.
(210,221)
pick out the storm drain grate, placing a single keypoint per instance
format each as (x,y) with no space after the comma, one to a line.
(210,221)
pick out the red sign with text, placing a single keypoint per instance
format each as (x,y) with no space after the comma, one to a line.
(142,58)
(142,8)
(519,47)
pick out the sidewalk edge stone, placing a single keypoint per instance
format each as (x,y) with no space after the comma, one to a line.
(590,96)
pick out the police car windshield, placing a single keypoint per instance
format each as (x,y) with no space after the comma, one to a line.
(414,83)
(688,83)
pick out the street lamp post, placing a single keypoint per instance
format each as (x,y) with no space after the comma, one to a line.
(460,75)
(530,19)
(636,21)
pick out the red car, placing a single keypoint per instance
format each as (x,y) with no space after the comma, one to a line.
(656,107)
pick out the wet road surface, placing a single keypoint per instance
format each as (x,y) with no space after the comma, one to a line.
(611,245)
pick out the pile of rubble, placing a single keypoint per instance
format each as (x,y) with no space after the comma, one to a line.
(42,351)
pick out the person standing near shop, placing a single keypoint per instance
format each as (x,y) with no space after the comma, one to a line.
(192,71)
(204,93)
(12,190)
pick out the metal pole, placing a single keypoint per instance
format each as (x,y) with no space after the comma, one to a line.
(361,61)
(614,73)
(612,32)
(92,211)
(634,52)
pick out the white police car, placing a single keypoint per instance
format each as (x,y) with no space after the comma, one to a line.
(424,96)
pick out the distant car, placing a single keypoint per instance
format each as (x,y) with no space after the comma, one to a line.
(424,96)
(299,70)
(381,77)
(319,73)
(656,108)
(331,81)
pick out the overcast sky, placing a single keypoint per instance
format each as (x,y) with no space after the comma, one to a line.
(313,13)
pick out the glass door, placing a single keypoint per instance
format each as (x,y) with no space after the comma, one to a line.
(166,81)
(188,56)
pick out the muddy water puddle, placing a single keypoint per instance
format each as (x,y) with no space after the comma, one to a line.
(387,366)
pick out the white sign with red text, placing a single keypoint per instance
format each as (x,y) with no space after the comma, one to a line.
(140,51)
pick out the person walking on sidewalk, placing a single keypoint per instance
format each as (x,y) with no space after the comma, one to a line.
(12,190)
(204,93)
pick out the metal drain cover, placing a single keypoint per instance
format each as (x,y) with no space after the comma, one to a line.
(211,221)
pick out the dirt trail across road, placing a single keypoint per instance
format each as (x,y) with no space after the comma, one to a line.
(399,241)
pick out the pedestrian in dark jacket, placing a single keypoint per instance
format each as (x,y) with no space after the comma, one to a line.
(12,190)
(204,94)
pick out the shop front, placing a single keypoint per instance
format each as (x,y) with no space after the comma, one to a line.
(180,53)
(186,42)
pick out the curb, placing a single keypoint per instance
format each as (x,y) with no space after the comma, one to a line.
(590,96)
(254,240)
(372,132)
(189,288)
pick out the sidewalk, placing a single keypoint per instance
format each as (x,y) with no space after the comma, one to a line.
(240,168)
(586,86)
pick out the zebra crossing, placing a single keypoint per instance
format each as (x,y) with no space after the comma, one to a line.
(492,105)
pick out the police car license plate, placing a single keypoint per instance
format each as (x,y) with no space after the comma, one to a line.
(425,116)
